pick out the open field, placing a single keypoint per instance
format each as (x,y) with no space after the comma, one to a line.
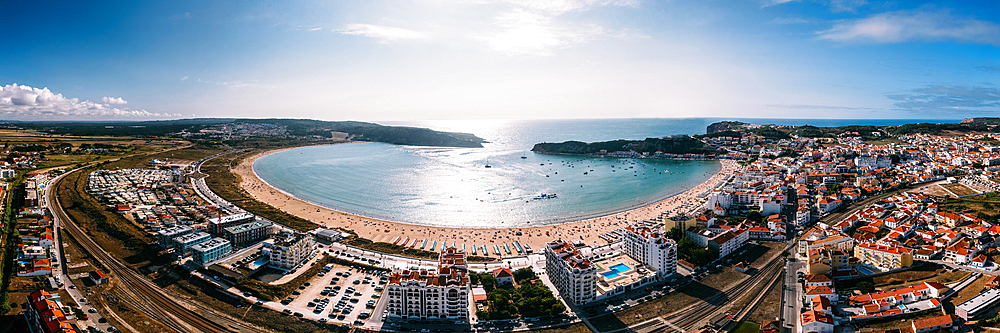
(959,189)
(929,272)
(987,205)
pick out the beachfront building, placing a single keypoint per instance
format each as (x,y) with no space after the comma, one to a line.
(288,250)
(185,242)
(651,248)
(883,258)
(165,237)
(573,275)
(207,252)
(44,313)
(217,224)
(247,234)
(423,294)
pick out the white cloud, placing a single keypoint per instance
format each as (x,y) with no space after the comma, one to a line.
(315,29)
(769,3)
(534,27)
(185,78)
(24,102)
(557,7)
(903,26)
(114,100)
(386,34)
(846,5)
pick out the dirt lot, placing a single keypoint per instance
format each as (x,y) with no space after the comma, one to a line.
(769,307)
(965,294)
(959,189)
(929,273)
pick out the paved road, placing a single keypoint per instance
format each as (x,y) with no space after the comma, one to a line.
(792,294)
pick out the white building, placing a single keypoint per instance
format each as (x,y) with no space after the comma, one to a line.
(573,275)
(730,241)
(289,250)
(651,248)
(431,295)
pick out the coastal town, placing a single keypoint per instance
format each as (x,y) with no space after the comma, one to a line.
(852,232)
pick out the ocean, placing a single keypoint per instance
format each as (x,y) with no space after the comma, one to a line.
(453,187)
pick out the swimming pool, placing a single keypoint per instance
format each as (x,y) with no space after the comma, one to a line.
(613,271)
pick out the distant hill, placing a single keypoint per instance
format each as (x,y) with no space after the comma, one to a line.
(356,130)
(675,145)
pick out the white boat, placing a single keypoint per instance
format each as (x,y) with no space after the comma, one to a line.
(545,196)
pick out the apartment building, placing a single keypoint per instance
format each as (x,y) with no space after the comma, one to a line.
(184,243)
(427,294)
(288,250)
(247,234)
(165,237)
(651,248)
(44,313)
(573,275)
(211,250)
(883,257)
(217,224)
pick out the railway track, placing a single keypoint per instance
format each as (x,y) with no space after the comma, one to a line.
(140,292)
(687,319)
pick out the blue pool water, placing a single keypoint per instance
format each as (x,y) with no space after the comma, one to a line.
(615,270)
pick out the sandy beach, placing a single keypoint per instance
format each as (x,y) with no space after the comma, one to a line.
(388,231)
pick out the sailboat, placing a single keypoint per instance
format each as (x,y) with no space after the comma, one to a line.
(524,155)
(488,164)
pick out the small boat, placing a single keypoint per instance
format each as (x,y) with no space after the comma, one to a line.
(488,164)
(545,196)
(523,155)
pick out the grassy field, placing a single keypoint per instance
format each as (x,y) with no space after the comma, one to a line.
(987,204)
(747,327)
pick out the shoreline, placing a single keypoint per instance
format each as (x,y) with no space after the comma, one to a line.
(382,230)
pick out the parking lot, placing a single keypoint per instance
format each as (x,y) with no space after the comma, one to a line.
(340,295)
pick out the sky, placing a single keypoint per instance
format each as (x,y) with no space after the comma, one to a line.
(499,59)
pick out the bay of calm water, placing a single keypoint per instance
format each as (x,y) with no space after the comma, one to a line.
(452,187)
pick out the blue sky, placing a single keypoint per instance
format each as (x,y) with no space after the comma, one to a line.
(500,59)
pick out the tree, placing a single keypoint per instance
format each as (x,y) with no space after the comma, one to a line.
(865,287)
(676,234)
(524,274)
(755,216)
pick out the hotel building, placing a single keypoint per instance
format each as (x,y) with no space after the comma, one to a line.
(289,249)
(651,248)
(573,275)
(429,295)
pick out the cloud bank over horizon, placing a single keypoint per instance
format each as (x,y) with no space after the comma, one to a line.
(23,102)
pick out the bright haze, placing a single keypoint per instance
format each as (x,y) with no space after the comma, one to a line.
(515,59)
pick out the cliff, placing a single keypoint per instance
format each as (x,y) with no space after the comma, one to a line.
(674,145)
